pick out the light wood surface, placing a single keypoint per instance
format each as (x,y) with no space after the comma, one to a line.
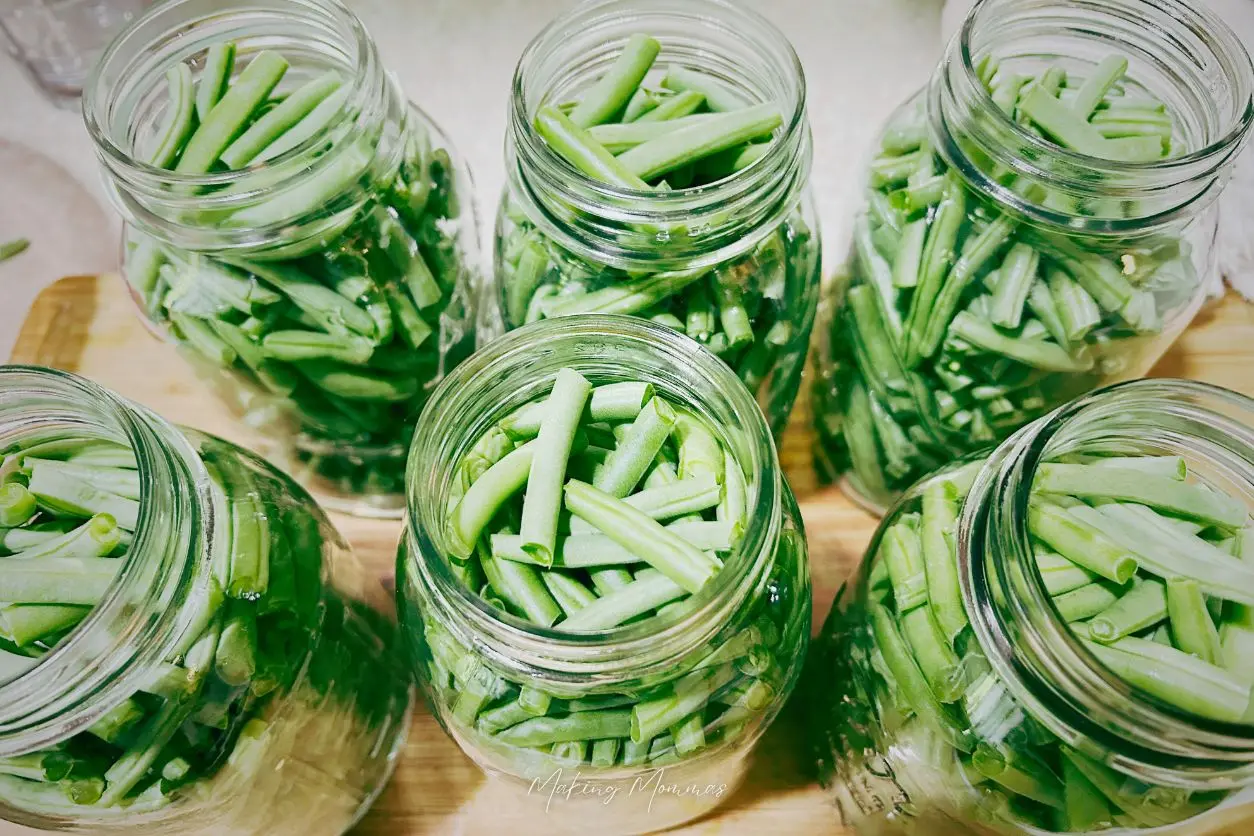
(86,325)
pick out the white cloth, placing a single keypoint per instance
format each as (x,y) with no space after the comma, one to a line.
(1236,213)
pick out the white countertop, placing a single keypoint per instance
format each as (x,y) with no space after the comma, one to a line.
(456,59)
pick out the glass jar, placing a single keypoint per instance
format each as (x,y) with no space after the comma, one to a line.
(1031,697)
(563,239)
(751,621)
(140,720)
(323,285)
(919,356)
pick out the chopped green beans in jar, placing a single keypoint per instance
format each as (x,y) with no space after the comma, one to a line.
(301,232)
(236,646)
(1010,254)
(657,187)
(603,581)
(1103,556)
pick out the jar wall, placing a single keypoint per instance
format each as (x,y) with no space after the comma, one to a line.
(650,786)
(537,278)
(1005,729)
(268,696)
(920,356)
(325,285)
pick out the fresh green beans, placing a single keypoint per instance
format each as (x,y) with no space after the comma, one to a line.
(9,249)
(334,344)
(1133,552)
(960,322)
(268,647)
(653,130)
(653,502)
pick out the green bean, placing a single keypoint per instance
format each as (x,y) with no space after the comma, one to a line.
(903,554)
(1081,543)
(627,464)
(634,530)
(543,501)
(1191,625)
(940,516)
(1176,677)
(676,107)
(486,496)
(14,247)
(658,156)
(230,112)
(583,152)
(219,63)
(1163,493)
(612,91)
(179,112)
(274,124)
(720,97)
(1140,608)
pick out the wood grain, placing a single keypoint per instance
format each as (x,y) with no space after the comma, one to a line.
(86,324)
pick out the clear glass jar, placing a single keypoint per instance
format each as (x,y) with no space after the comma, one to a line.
(57,42)
(356,244)
(1031,690)
(754,233)
(907,379)
(763,591)
(299,743)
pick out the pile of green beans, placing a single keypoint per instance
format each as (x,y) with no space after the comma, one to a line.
(637,128)
(265,637)
(594,508)
(346,334)
(1151,568)
(959,323)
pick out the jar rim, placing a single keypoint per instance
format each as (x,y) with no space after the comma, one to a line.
(81,676)
(1029,643)
(125,91)
(538,174)
(1193,15)
(99,94)
(434,454)
(1177,183)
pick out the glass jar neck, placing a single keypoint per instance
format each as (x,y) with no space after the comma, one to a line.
(126,100)
(142,615)
(519,368)
(616,226)
(1179,53)
(1029,645)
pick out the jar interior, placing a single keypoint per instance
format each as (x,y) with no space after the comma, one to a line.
(1210,429)
(128,98)
(603,350)
(721,40)
(92,666)
(1175,61)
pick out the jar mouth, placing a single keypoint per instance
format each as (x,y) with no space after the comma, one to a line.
(84,674)
(1182,53)
(519,368)
(733,43)
(1031,644)
(126,96)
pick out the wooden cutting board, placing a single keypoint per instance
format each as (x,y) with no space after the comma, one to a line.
(86,324)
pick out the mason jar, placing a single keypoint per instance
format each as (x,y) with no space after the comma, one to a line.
(749,624)
(733,263)
(1027,722)
(234,671)
(317,272)
(923,353)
